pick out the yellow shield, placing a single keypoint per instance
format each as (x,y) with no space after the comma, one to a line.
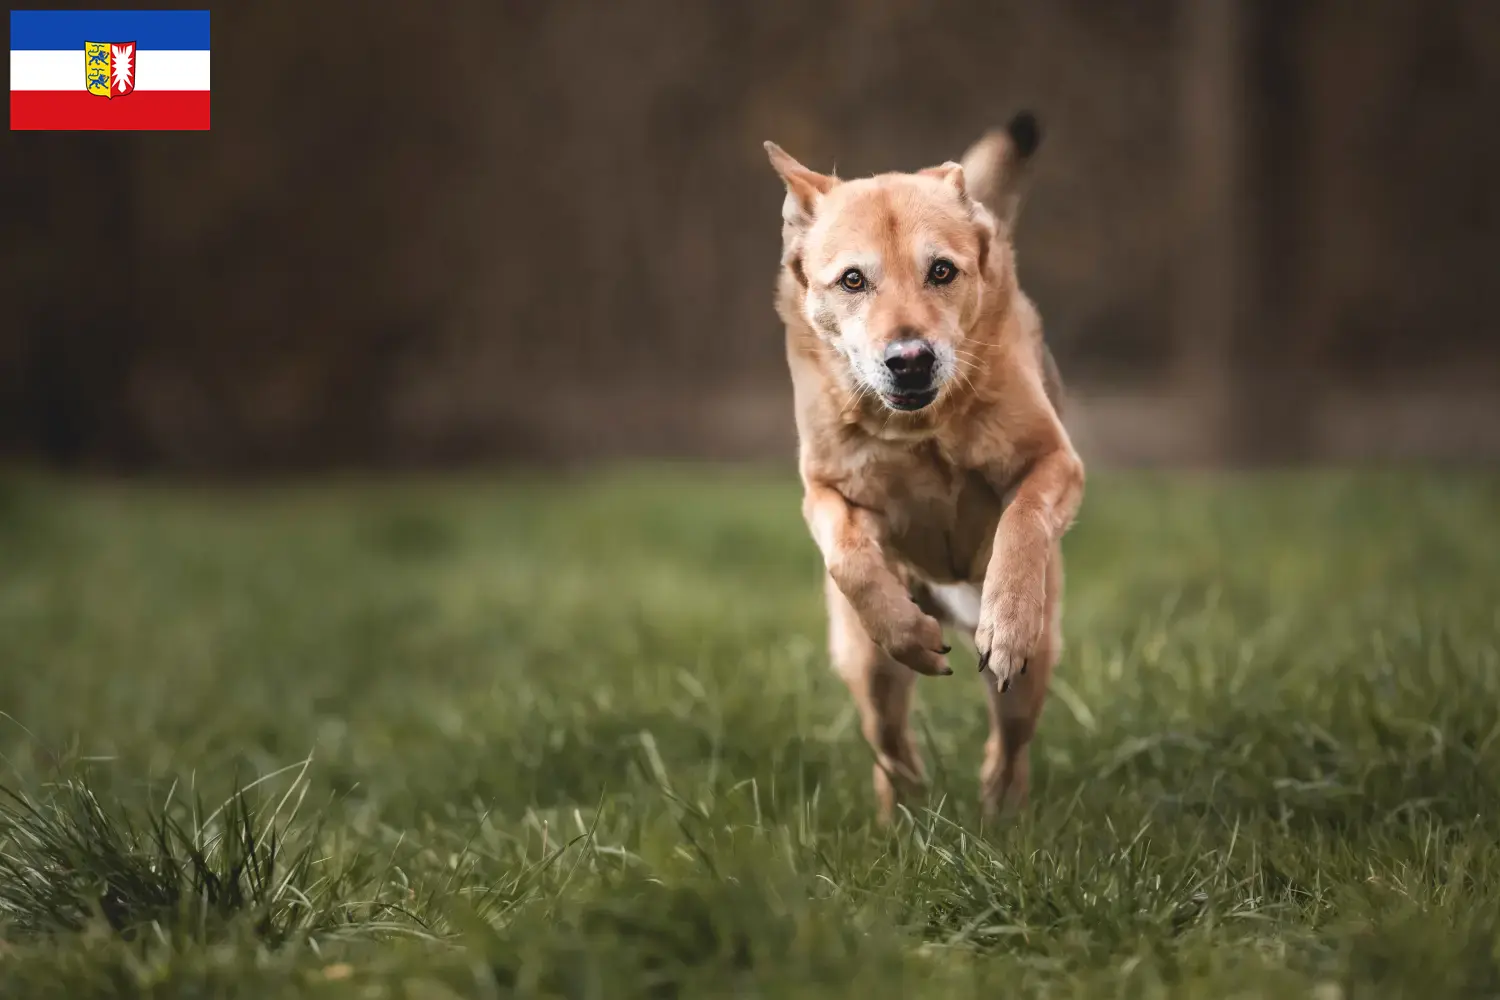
(96,67)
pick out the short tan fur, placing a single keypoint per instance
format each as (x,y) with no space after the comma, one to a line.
(938,478)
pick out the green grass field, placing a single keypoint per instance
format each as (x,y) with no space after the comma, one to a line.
(578,738)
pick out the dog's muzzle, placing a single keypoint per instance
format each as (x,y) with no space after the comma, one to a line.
(911,364)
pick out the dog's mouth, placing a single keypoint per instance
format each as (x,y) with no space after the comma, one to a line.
(909,402)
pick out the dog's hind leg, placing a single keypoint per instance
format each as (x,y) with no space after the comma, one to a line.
(882,690)
(1005,776)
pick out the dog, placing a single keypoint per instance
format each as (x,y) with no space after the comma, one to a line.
(938,479)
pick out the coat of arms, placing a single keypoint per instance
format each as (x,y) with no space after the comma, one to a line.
(109,68)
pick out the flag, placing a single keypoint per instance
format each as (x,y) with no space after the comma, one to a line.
(108,69)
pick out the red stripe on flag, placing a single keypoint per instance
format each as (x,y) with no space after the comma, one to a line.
(74,110)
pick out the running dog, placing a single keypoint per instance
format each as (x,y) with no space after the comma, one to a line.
(938,479)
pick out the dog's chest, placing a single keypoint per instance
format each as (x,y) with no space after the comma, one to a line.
(940,519)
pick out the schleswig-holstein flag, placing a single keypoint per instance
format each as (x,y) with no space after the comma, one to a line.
(108,69)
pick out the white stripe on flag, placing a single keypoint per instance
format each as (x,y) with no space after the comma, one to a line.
(156,69)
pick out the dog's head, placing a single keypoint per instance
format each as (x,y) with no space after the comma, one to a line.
(893,270)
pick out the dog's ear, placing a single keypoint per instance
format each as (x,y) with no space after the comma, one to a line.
(804,187)
(997,167)
(951,173)
(804,190)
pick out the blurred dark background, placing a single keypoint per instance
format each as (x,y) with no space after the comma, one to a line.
(479,232)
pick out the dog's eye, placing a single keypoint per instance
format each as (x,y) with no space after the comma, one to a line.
(941,272)
(852,280)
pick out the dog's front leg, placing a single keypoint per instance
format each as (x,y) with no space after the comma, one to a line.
(850,540)
(1012,612)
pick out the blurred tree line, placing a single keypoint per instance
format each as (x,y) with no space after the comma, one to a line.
(538,231)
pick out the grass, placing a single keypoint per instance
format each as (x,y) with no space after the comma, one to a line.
(577,738)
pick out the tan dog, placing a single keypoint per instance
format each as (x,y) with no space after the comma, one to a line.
(938,477)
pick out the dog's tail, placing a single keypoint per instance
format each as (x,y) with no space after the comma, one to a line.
(996,167)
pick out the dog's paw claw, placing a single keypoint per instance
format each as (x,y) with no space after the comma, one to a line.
(1008,635)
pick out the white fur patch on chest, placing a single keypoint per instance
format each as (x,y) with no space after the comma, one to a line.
(960,600)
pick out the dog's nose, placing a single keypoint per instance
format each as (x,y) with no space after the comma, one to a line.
(911,361)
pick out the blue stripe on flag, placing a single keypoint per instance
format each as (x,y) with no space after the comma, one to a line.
(68,29)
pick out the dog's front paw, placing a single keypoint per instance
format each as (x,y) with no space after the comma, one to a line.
(1009,634)
(915,639)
